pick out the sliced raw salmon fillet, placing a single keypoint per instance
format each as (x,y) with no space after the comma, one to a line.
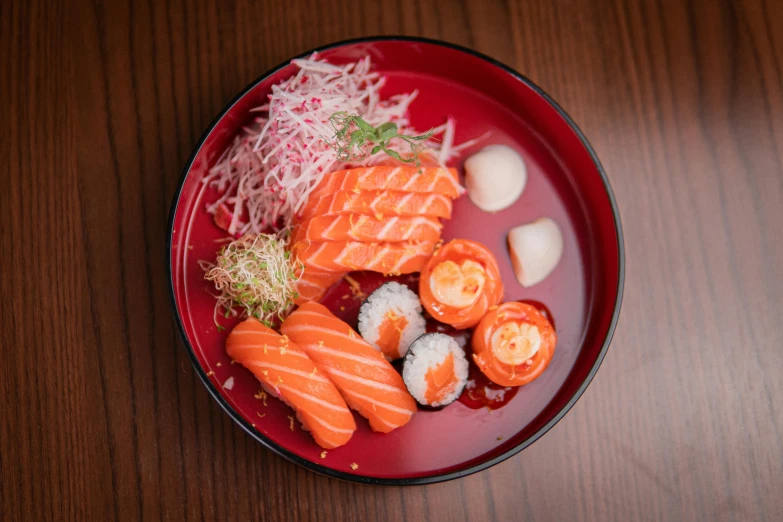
(312,285)
(286,372)
(379,203)
(361,227)
(346,256)
(368,382)
(427,180)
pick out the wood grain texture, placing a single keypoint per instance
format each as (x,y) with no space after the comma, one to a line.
(102,417)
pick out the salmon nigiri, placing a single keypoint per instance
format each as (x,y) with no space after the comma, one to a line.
(286,372)
(366,379)
(362,227)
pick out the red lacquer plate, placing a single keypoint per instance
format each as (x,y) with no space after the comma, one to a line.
(582,295)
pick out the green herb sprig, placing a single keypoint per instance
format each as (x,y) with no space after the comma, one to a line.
(353,136)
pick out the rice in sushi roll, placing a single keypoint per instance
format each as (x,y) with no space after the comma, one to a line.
(390,320)
(435,370)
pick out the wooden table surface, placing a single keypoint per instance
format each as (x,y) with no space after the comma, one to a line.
(102,416)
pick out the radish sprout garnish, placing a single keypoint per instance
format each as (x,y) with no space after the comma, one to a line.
(255,276)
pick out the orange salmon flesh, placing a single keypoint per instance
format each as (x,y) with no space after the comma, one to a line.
(367,381)
(441,380)
(346,256)
(426,180)
(285,370)
(379,203)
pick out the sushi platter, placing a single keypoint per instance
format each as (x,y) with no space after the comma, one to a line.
(384,274)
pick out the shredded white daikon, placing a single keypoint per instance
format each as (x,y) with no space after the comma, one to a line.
(268,172)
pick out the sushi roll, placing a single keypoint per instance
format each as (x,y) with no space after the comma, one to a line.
(435,370)
(513,344)
(390,320)
(460,283)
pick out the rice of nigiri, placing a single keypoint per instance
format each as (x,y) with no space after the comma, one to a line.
(391,319)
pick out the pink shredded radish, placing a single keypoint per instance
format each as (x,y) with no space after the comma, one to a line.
(265,177)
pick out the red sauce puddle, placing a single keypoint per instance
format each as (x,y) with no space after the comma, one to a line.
(480,392)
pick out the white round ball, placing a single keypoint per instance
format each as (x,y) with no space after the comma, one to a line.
(535,249)
(495,177)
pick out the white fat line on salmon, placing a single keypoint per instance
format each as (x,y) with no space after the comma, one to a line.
(271,338)
(380,404)
(388,424)
(310,258)
(366,382)
(453,182)
(334,329)
(269,347)
(411,181)
(309,294)
(344,184)
(433,224)
(444,201)
(356,358)
(305,283)
(326,232)
(337,353)
(385,230)
(325,424)
(434,182)
(311,398)
(409,232)
(358,226)
(339,259)
(419,221)
(379,258)
(290,371)
(427,204)
(404,201)
(391,176)
(376,419)
(404,258)
(375,200)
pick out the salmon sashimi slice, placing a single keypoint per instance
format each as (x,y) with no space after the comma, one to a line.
(346,256)
(427,180)
(286,372)
(312,285)
(379,203)
(355,227)
(368,382)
